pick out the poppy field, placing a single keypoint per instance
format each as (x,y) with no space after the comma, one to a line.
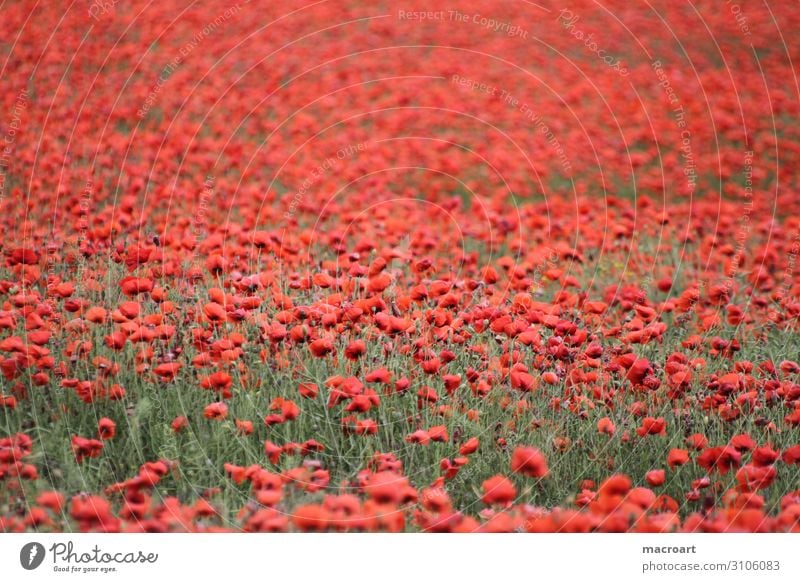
(348,266)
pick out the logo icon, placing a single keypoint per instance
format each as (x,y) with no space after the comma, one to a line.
(31,555)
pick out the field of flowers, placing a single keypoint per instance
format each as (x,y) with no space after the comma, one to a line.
(377,266)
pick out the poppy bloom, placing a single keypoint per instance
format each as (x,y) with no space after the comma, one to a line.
(452,467)
(308,390)
(753,478)
(106,429)
(216,411)
(386,487)
(219,381)
(359,403)
(273,452)
(656,477)
(529,461)
(93,513)
(381,375)
(438,433)
(791,456)
(366,426)
(498,490)
(168,372)
(288,409)
(606,426)
(550,378)
(215,313)
(469,447)
(96,315)
(134,286)
(355,350)
(523,381)
(86,448)
(652,426)
(244,427)
(419,437)
(321,347)
(638,371)
(179,423)
(793,418)
(311,518)
(743,442)
(677,457)
(697,441)
(613,488)
(426,394)
(764,456)
(130,309)
(53,500)
(720,458)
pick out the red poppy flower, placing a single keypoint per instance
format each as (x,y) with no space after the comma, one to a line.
(106,429)
(469,447)
(677,457)
(498,490)
(83,448)
(720,458)
(606,426)
(355,350)
(656,477)
(321,347)
(652,426)
(791,456)
(168,371)
(308,390)
(179,423)
(216,411)
(244,427)
(529,461)
(219,381)
(386,487)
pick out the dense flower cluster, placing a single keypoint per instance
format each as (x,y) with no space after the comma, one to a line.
(335,269)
